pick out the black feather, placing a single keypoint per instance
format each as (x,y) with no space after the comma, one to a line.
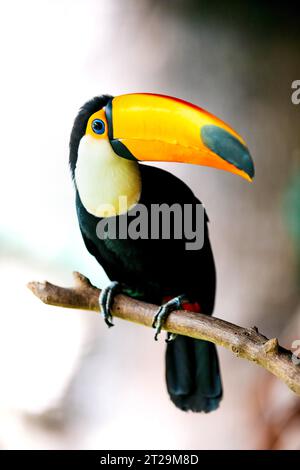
(193,374)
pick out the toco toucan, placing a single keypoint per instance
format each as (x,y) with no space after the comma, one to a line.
(110,136)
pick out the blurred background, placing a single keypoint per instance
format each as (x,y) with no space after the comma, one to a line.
(66,381)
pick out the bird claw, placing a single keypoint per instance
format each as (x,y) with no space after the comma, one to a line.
(163,313)
(170,337)
(106,299)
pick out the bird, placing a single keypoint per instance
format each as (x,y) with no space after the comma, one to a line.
(112,140)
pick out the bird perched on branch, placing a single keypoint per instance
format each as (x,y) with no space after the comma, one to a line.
(110,136)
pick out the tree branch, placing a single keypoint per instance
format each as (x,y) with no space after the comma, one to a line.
(247,343)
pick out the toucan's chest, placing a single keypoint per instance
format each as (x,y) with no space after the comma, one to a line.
(115,246)
(107,184)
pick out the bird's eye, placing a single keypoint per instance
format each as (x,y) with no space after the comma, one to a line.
(98,126)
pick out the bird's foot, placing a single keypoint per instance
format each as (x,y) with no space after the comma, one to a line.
(170,337)
(106,300)
(163,313)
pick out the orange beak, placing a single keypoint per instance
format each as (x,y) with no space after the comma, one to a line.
(151,127)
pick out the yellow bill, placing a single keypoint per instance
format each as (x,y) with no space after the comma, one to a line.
(150,127)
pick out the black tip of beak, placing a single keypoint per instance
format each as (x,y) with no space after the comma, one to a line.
(228,147)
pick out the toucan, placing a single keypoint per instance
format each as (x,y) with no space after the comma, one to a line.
(109,139)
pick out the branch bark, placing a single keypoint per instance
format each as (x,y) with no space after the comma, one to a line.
(247,343)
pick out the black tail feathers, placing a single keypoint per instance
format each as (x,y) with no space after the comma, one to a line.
(193,374)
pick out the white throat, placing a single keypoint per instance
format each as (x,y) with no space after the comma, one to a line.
(108,185)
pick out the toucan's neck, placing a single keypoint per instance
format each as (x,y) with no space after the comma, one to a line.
(107,184)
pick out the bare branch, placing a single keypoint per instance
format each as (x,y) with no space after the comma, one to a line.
(247,343)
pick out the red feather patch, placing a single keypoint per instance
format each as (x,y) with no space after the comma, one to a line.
(190,306)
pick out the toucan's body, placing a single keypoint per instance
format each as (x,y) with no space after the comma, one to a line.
(155,270)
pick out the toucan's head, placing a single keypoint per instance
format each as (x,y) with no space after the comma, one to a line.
(111,134)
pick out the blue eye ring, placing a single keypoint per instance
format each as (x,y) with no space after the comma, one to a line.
(98,126)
